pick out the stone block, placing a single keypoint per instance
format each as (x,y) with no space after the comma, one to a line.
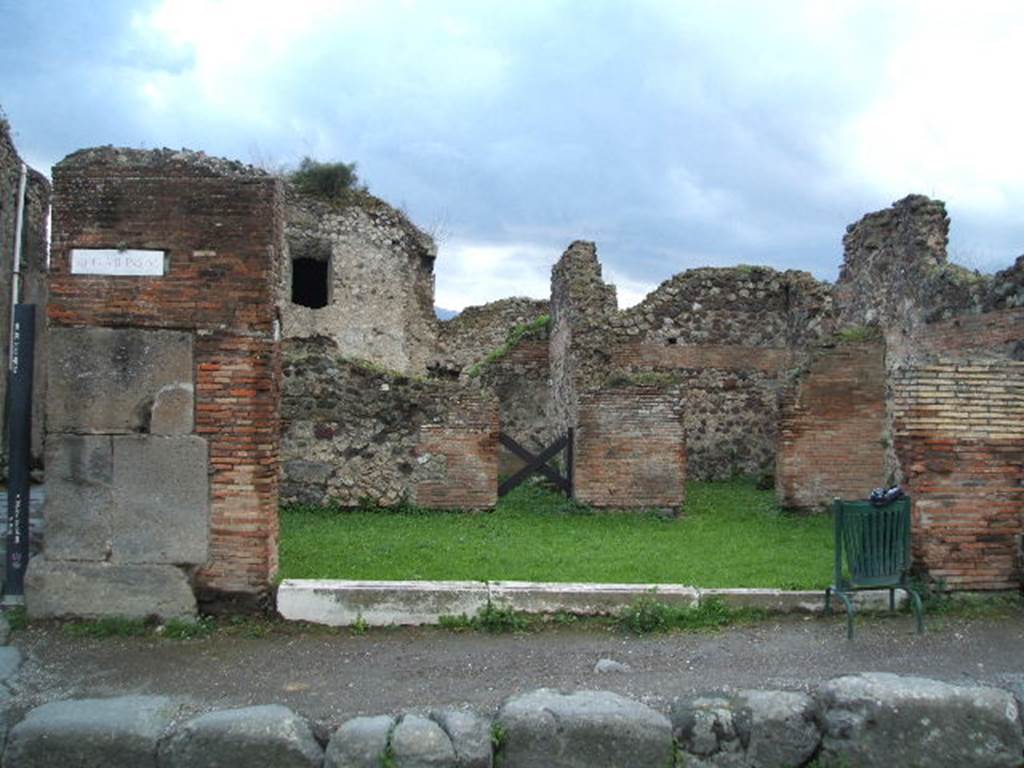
(360,743)
(55,589)
(106,380)
(91,732)
(771,729)
(127,499)
(417,742)
(80,497)
(269,736)
(162,500)
(378,603)
(589,729)
(470,735)
(10,662)
(584,599)
(173,410)
(885,719)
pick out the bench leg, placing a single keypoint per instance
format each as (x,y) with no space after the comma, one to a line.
(828,601)
(849,613)
(915,602)
(892,599)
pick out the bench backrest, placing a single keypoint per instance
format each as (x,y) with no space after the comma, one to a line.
(873,543)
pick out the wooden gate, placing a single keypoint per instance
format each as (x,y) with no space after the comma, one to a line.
(538,463)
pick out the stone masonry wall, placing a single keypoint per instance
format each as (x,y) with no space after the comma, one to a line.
(896,275)
(833,429)
(381,280)
(959,431)
(33,278)
(353,433)
(630,448)
(582,306)
(470,336)
(178,372)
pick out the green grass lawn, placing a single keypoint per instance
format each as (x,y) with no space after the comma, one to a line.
(731,535)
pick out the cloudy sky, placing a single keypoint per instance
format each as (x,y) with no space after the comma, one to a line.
(675,134)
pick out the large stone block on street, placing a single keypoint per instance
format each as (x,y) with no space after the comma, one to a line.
(90,733)
(885,719)
(768,729)
(106,380)
(127,499)
(360,743)
(589,729)
(470,734)
(418,742)
(55,589)
(269,736)
(161,498)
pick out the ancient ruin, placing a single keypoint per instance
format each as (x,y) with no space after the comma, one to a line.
(286,351)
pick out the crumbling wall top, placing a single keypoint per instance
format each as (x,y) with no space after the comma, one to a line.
(199,163)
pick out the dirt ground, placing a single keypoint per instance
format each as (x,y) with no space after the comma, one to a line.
(331,676)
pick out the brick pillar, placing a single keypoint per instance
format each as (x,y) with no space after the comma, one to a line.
(630,448)
(174,358)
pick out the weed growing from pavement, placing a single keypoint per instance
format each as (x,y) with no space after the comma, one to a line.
(17,618)
(648,614)
(489,619)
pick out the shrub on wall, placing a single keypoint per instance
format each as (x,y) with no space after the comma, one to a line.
(332,181)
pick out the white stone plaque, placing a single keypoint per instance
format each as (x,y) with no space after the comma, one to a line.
(97,261)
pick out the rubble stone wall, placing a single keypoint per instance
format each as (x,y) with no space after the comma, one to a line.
(381,280)
(354,433)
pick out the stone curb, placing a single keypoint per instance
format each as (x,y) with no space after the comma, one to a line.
(857,720)
(412,603)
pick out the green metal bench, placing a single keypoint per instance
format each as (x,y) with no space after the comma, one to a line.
(872,552)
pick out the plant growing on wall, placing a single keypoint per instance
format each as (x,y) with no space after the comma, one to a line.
(331,181)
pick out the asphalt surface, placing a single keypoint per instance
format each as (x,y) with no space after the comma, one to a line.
(330,676)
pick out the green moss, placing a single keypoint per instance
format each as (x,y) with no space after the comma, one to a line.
(858,334)
(515,336)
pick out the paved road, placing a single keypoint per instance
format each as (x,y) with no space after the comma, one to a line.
(332,676)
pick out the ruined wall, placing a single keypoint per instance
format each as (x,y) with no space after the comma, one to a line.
(959,431)
(896,275)
(729,336)
(630,448)
(467,338)
(834,429)
(353,434)
(380,274)
(582,306)
(163,400)
(33,279)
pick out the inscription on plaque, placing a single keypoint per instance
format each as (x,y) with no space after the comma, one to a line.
(97,261)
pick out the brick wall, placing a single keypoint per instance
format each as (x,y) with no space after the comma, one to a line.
(221,227)
(458,456)
(959,431)
(630,448)
(833,427)
(991,334)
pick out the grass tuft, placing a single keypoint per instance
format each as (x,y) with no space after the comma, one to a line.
(730,535)
(648,615)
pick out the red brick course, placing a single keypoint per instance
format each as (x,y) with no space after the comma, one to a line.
(959,431)
(630,448)
(463,446)
(222,235)
(832,429)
